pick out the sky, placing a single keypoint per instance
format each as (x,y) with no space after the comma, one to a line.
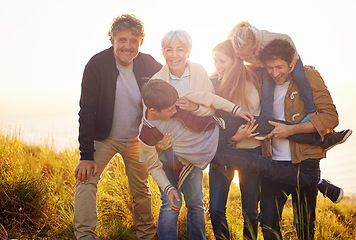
(45,45)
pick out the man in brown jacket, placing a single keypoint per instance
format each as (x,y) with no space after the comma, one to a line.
(289,106)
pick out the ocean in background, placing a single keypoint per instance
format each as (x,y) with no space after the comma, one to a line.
(44,125)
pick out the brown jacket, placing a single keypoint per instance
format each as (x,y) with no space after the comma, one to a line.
(324,122)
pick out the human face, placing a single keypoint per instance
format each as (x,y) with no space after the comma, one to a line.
(279,70)
(222,63)
(126,46)
(246,53)
(164,114)
(176,56)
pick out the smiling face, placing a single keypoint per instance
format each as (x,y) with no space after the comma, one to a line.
(176,55)
(222,63)
(126,46)
(279,70)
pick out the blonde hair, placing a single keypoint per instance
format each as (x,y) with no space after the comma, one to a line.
(243,35)
(233,86)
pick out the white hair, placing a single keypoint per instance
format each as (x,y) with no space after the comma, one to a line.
(177,35)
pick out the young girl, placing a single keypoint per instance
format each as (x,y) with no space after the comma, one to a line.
(237,83)
(247,42)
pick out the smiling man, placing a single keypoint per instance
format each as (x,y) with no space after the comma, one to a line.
(288,105)
(109,118)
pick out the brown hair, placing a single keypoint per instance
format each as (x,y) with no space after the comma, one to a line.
(277,48)
(233,85)
(159,94)
(126,21)
(226,48)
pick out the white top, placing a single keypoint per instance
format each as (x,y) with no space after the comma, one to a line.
(197,148)
(280,147)
(181,83)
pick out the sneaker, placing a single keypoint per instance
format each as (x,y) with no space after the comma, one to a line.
(334,138)
(331,191)
(260,137)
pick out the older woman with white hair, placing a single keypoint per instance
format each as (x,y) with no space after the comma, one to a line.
(185,76)
(180,72)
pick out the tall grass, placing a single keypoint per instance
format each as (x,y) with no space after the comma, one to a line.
(37,189)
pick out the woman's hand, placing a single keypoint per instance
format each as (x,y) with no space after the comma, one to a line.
(245,115)
(184,104)
(245,131)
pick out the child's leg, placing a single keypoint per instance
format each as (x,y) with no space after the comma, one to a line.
(242,160)
(233,123)
(305,90)
(267,94)
(192,189)
(265,128)
(168,218)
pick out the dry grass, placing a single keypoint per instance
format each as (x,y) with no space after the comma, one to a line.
(37,189)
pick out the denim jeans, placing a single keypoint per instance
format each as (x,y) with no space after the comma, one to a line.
(265,128)
(192,190)
(227,155)
(274,196)
(219,185)
(299,78)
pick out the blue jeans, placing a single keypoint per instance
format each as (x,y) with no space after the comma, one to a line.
(265,128)
(274,196)
(227,155)
(299,78)
(192,190)
(219,185)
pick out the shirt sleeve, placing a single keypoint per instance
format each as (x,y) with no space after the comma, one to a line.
(326,118)
(149,155)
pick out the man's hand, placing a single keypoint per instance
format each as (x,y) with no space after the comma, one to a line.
(165,143)
(245,131)
(184,104)
(173,195)
(83,170)
(280,131)
(245,115)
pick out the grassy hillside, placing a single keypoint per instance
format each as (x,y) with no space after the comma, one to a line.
(37,189)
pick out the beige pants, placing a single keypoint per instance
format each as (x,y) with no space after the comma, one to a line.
(85,213)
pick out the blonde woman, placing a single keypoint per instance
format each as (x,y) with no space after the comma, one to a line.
(248,41)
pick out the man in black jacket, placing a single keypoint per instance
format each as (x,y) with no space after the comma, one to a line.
(109,118)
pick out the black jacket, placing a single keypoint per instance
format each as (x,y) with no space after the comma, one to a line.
(98,96)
